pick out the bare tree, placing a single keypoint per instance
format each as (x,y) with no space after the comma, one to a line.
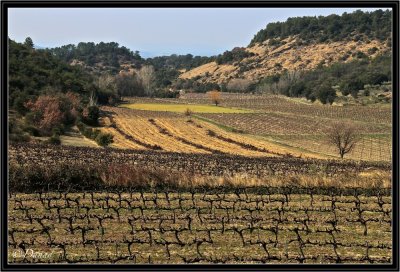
(238,84)
(128,85)
(146,76)
(92,100)
(107,83)
(343,136)
(276,87)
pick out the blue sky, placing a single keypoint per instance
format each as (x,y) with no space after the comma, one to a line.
(152,31)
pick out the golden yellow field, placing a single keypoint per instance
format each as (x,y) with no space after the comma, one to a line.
(176,133)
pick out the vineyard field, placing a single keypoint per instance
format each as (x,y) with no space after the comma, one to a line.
(195,163)
(276,103)
(288,124)
(183,107)
(167,227)
(197,208)
(250,183)
(248,125)
(369,147)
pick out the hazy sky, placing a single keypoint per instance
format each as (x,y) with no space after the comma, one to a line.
(152,31)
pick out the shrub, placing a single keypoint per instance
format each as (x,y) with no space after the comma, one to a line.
(104,139)
(54,140)
(46,112)
(372,50)
(91,115)
(236,54)
(211,133)
(32,131)
(59,130)
(351,86)
(95,133)
(19,137)
(30,178)
(274,42)
(87,132)
(19,104)
(360,55)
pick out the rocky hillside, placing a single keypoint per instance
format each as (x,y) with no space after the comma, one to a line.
(286,46)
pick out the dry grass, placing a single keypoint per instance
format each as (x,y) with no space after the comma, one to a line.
(127,175)
(65,176)
(78,140)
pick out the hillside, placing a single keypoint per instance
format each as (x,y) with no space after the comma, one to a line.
(49,98)
(291,55)
(35,71)
(301,44)
(109,57)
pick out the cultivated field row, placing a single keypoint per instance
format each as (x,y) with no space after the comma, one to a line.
(276,103)
(288,124)
(202,164)
(137,227)
(368,148)
(287,127)
(170,132)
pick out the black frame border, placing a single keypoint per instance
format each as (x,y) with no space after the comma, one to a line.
(5,5)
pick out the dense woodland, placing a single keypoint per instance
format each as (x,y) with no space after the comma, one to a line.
(106,54)
(373,25)
(178,61)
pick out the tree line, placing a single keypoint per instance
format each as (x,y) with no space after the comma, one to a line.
(235,55)
(109,54)
(374,25)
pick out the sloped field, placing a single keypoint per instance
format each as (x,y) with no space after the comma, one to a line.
(173,132)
